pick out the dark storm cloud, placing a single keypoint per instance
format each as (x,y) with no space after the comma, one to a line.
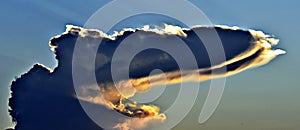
(46,99)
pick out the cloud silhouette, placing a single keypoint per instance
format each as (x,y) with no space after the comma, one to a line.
(46,99)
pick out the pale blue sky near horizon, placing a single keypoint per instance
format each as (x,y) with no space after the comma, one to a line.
(271,91)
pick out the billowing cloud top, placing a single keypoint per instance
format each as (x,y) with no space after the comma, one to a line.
(46,99)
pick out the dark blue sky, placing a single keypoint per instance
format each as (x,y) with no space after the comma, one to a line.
(27,26)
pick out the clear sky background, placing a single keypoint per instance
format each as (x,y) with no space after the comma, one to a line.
(261,98)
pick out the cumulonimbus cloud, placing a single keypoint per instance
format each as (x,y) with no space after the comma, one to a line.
(44,97)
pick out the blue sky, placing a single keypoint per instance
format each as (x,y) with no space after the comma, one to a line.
(269,92)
